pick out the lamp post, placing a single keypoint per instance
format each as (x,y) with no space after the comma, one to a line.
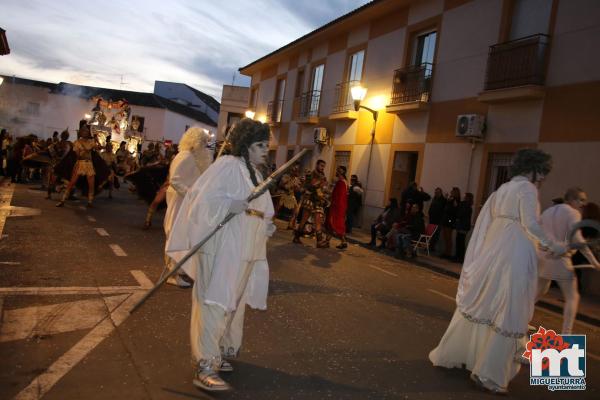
(358,94)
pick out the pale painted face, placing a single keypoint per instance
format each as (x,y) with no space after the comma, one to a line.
(258,152)
(579,202)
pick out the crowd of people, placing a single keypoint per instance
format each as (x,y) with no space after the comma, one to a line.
(512,256)
(402,223)
(60,163)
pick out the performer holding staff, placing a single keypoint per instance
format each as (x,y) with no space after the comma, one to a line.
(558,221)
(497,286)
(230,270)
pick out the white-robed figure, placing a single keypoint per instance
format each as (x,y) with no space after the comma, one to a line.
(193,159)
(231,269)
(557,222)
(498,283)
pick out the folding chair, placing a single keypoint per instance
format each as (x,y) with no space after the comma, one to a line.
(425,238)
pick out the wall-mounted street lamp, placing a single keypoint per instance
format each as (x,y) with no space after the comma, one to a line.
(249,114)
(358,94)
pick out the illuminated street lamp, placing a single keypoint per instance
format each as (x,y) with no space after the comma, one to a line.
(358,94)
(249,114)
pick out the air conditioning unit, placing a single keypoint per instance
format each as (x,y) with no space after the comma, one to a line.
(321,136)
(470,126)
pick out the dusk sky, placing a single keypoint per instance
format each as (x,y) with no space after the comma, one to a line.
(200,43)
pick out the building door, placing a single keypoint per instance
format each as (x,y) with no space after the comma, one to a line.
(498,172)
(341,158)
(529,17)
(315,95)
(404,171)
(355,70)
(278,104)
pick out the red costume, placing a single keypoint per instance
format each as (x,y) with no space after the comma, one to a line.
(336,217)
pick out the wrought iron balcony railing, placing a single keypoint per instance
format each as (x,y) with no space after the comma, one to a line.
(308,104)
(412,83)
(517,63)
(343,97)
(274,111)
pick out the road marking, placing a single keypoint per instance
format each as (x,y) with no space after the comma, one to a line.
(117,250)
(142,279)
(116,310)
(28,322)
(441,294)
(10,262)
(101,232)
(6,194)
(382,270)
(40,291)
(91,219)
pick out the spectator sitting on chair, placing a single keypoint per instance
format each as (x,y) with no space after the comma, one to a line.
(415,226)
(384,221)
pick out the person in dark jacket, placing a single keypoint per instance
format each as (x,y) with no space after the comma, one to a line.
(436,213)
(464,214)
(355,193)
(384,221)
(449,220)
(413,194)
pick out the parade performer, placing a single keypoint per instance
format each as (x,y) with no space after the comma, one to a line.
(336,215)
(497,286)
(231,269)
(58,150)
(314,201)
(191,161)
(557,222)
(289,185)
(111,161)
(83,147)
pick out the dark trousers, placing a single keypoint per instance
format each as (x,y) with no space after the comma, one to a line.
(460,245)
(350,215)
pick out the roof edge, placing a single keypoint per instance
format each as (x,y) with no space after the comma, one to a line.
(312,33)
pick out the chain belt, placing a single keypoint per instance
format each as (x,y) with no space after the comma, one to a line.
(255,213)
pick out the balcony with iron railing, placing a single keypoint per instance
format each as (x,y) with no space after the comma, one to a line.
(275,112)
(516,69)
(343,107)
(307,107)
(411,88)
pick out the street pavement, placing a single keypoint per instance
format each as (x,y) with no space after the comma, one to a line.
(351,324)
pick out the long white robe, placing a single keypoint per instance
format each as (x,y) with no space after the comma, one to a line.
(497,287)
(241,241)
(183,172)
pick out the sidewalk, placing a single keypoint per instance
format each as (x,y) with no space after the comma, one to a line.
(589,306)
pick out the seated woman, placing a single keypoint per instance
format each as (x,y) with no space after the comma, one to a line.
(413,228)
(384,221)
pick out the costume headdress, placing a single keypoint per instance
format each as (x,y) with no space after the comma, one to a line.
(533,161)
(242,135)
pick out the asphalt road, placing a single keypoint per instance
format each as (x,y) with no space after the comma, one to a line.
(348,324)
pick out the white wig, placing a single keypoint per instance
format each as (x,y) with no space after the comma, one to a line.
(193,138)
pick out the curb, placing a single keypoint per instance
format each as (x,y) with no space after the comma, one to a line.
(420,262)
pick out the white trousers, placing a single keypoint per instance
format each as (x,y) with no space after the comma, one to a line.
(571,295)
(215,333)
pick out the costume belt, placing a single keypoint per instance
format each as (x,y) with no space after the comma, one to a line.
(255,213)
(515,219)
